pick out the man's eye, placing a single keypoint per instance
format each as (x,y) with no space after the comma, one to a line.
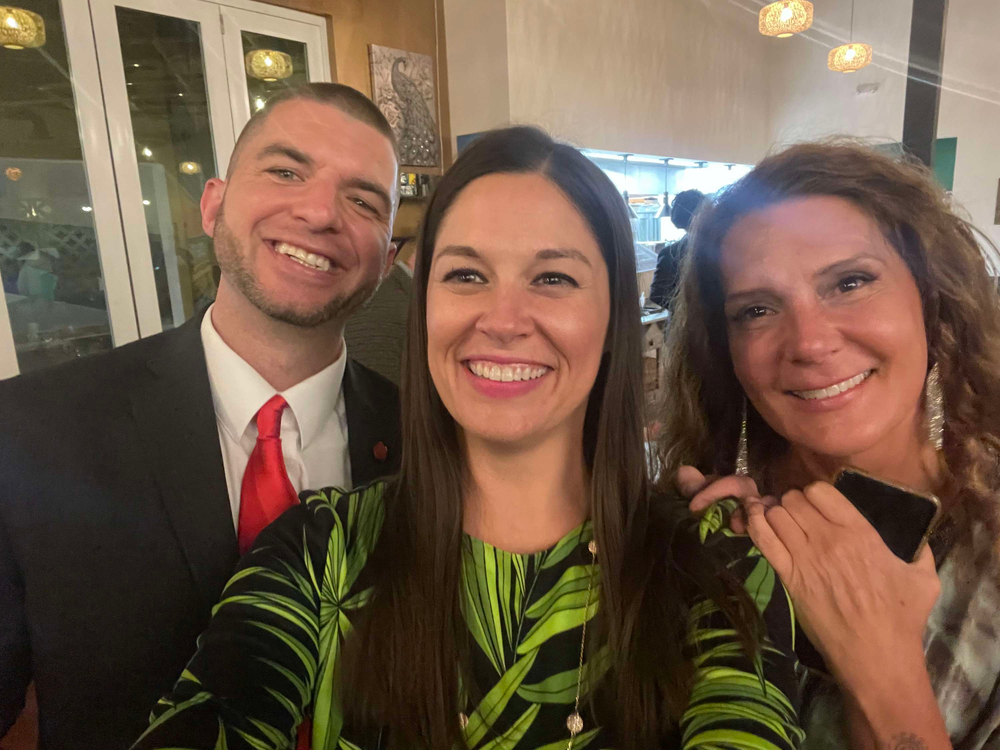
(365,205)
(284,174)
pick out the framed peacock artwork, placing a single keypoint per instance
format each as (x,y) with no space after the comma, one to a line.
(403,89)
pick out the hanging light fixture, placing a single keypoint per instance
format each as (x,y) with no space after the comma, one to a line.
(850,57)
(189,167)
(20,28)
(268,64)
(785,18)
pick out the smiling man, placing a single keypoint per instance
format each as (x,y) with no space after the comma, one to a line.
(131,481)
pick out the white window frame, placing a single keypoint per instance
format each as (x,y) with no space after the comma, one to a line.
(123,140)
(311,31)
(93,128)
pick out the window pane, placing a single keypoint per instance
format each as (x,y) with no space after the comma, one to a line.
(49,262)
(168,103)
(267,72)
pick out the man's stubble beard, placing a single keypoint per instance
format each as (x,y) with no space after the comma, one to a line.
(233,266)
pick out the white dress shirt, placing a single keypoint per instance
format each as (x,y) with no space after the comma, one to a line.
(313,427)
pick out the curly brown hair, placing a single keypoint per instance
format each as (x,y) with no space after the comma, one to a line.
(704,401)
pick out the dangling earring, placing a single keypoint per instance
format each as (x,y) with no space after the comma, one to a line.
(934,406)
(742,457)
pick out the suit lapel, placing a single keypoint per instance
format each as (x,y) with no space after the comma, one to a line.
(372,405)
(175,416)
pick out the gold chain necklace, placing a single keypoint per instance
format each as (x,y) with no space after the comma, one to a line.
(574,722)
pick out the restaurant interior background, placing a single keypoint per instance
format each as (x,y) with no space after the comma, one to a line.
(115,113)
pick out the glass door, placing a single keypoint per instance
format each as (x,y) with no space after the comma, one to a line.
(266,54)
(63,270)
(166,94)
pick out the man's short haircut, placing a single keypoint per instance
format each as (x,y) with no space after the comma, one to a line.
(349,101)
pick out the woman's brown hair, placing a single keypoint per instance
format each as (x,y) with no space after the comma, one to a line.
(412,647)
(703,409)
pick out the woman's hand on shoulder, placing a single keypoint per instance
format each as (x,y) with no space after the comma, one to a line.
(702,492)
(862,606)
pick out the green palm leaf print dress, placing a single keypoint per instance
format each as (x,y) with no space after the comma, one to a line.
(271,653)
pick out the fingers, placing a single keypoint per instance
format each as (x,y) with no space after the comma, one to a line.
(738,521)
(802,510)
(925,560)
(767,540)
(690,481)
(786,524)
(740,487)
(832,504)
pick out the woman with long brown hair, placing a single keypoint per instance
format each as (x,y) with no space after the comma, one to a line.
(518,585)
(837,312)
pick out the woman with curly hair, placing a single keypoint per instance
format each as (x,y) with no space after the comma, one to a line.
(835,311)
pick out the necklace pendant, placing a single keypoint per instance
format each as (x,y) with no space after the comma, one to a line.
(463,721)
(574,724)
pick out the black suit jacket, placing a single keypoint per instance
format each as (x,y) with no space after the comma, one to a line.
(116,533)
(667,273)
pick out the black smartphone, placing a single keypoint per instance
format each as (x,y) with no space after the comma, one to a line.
(902,517)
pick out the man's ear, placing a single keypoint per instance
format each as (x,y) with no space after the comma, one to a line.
(211,202)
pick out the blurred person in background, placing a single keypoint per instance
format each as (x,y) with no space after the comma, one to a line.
(835,298)
(668,260)
(376,333)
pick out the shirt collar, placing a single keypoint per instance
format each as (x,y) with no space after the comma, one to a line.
(314,401)
(240,390)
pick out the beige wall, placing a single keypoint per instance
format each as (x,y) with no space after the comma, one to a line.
(664,77)
(810,101)
(476,31)
(970,106)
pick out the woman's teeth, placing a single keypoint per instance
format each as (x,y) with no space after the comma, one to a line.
(506,373)
(835,389)
(310,260)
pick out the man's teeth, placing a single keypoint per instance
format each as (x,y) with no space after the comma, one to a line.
(835,389)
(506,373)
(303,256)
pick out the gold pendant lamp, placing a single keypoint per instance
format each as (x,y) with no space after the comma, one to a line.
(20,29)
(850,57)
(786,18)
(268,64)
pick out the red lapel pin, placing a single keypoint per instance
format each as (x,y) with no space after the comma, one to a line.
(380,451)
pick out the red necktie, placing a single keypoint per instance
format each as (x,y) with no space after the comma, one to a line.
(266,494)
(267,491)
